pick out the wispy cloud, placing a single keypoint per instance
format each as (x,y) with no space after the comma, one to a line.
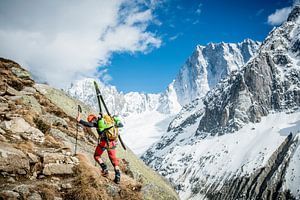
(259,12)
(175,36)
(104,76)
(199,9)
(279,16)
(196,22)
(60,41)
(172,25)
(179,7)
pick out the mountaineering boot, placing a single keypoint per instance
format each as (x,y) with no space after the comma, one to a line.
(104,169)
(117,176)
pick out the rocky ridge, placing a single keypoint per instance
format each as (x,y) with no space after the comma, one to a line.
(37,136)
(270,81)
(259,106)
(202,71)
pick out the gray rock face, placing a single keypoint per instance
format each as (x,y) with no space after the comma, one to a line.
(32,102)
(20,126)
(208,65)
(12,160)
(21,73)
(11,195)
(249,163)
(204,69)
(270,81)
(58,164)
(58,169)
(54,120)
(264,183)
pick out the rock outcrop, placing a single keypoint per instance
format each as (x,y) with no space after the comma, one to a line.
(37,137)
(269,81)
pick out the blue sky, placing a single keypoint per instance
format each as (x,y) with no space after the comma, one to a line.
(181,25)
(136,45)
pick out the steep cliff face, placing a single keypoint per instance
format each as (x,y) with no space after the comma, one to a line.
(260,159)
(264,183)
(207,66)
(270,81)
(241,140)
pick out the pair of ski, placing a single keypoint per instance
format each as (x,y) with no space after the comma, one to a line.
(100,99)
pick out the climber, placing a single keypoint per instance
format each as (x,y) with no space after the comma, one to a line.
(107,141)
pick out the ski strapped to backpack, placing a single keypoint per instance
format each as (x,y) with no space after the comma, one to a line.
(108,122)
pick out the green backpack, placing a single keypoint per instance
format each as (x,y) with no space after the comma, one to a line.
(107,126)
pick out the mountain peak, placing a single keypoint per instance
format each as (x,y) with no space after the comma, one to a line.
(208,65)
(295,13)
(270,81)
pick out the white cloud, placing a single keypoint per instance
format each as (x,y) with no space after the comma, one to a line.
(279,16)
(60,41)
(104,76)
(259,12)
(175,36)
(199,9)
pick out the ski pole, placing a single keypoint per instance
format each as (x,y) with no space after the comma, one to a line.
(77,124)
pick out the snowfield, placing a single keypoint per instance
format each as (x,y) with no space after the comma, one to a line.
(143,130)
(221,158)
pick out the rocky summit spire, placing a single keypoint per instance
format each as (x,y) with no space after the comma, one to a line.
(269,81)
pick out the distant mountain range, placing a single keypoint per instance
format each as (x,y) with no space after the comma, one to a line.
(201,72)
(241,140)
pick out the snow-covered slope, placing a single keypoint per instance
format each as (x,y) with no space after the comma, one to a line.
(197,167)
(243,143)
(117,102)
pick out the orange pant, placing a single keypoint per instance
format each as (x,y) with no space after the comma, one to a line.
(102,146)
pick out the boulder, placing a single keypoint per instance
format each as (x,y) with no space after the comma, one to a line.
(5,125)
(31,102)
(13,160)
(53,158)
(4,107)
(12,92)
(19,126)
(28,91)
(21,73)
(112,190)
(2,131)
(2,138)
(15,98)
(3,100)
(9,195)
(35,196)
(33,158)
(11,180)
(23,190)
(54,120)
(57,133)
(58,169)
(66,186)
